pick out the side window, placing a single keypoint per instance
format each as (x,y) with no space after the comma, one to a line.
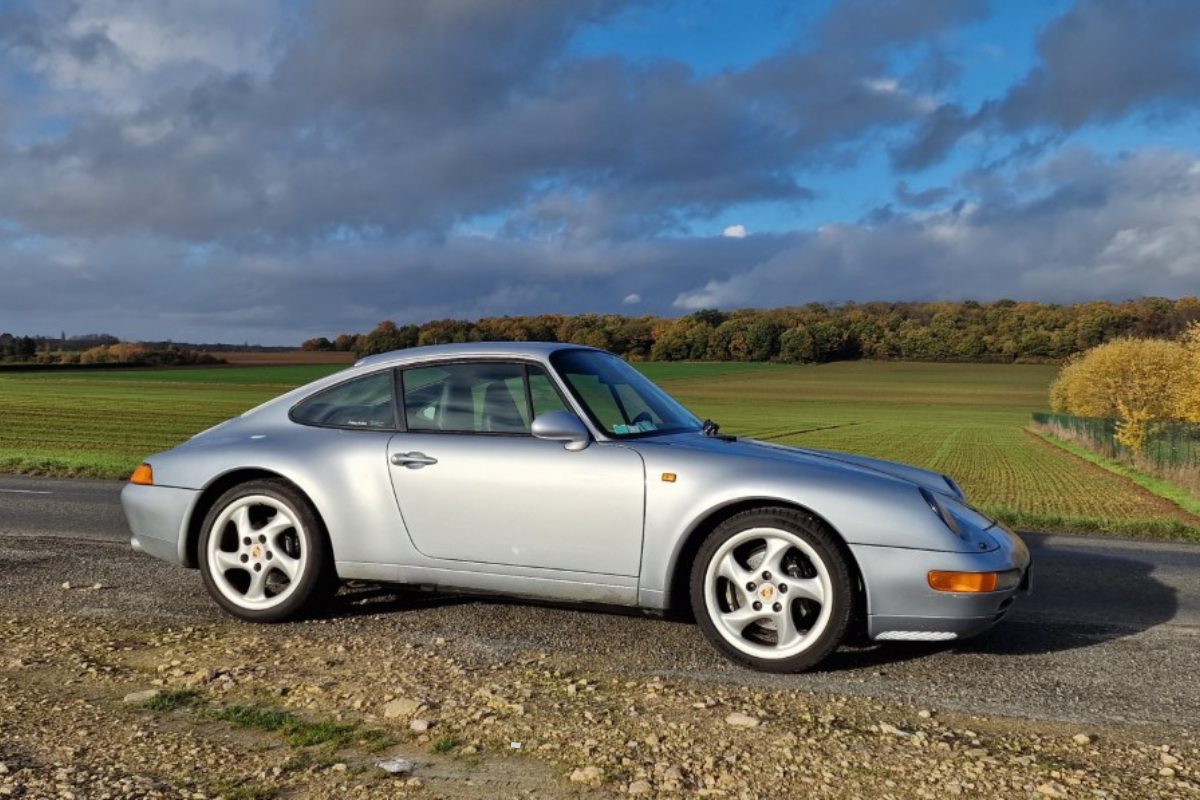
(363,403)
(545,396)
(467,398)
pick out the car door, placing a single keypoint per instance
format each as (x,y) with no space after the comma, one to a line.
(473,485)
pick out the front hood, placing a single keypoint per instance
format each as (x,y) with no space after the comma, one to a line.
(934,481)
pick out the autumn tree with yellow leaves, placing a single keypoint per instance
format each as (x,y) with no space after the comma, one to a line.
(1139,382)
(1189,390)
(119,353)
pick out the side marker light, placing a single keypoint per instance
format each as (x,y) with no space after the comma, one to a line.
(143,475)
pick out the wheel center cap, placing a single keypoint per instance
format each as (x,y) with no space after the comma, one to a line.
(256,552)
(766,593)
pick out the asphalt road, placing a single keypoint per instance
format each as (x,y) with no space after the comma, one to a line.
(61,508)
(1111,632)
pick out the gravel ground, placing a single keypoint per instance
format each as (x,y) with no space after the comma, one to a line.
(600,704)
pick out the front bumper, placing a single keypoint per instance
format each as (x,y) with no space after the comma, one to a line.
(157,517)
(902,606)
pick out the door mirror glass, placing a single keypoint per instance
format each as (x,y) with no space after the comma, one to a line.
(562,426)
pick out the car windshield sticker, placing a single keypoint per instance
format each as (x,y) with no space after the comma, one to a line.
(646,426)
(620,429)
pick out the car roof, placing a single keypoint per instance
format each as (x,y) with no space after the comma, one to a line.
(538,350)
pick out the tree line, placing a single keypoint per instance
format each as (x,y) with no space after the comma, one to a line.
(97,349)
(1005,331)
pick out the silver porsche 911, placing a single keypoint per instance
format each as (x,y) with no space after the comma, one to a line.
(560,472)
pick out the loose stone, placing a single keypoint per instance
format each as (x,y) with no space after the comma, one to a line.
(396,766)
(739,720)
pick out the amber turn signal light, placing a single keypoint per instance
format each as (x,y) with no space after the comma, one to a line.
(975,582)
(143,475)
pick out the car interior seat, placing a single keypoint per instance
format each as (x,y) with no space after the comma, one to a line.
(456,411)
(500,414)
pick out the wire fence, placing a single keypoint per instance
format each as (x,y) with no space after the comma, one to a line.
(1169,447)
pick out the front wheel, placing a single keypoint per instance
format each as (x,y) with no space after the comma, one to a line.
(772,590)
(264,555)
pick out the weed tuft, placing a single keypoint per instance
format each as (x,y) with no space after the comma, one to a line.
(303,733)
(173,701)
(445,744)
(247,790)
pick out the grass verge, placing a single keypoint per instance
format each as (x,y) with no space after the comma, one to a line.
(1153,529)
(1141,529)
(81,465)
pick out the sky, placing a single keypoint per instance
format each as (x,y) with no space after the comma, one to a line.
(268,172)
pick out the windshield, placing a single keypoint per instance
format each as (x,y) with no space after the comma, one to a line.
(618,398)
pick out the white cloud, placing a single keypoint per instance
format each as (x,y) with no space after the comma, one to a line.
(713,295)
(735,232)
(883,85)
(632,299)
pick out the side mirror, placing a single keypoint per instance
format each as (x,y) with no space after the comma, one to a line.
(562,426)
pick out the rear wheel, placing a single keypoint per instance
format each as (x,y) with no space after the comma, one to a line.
(771,589)
(264,555)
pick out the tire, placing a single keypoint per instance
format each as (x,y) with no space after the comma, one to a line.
(263,553)
(791,566)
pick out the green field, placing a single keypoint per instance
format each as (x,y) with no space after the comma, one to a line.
(101,424)
(966,420)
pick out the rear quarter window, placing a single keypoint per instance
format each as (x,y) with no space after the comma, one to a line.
(366,403)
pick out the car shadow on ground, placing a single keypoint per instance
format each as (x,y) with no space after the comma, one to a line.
(1080,599)
(363,598)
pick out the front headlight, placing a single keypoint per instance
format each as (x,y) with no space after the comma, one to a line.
(965,522)
(967,516)
(955,489)
(938,507)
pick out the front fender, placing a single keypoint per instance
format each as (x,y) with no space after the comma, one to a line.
(862,507)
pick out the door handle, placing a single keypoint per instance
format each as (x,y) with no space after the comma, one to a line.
(413,460)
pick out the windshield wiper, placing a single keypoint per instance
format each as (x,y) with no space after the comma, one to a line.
(710,428)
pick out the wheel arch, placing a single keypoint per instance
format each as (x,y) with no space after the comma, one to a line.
(677,603)
(220,486)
